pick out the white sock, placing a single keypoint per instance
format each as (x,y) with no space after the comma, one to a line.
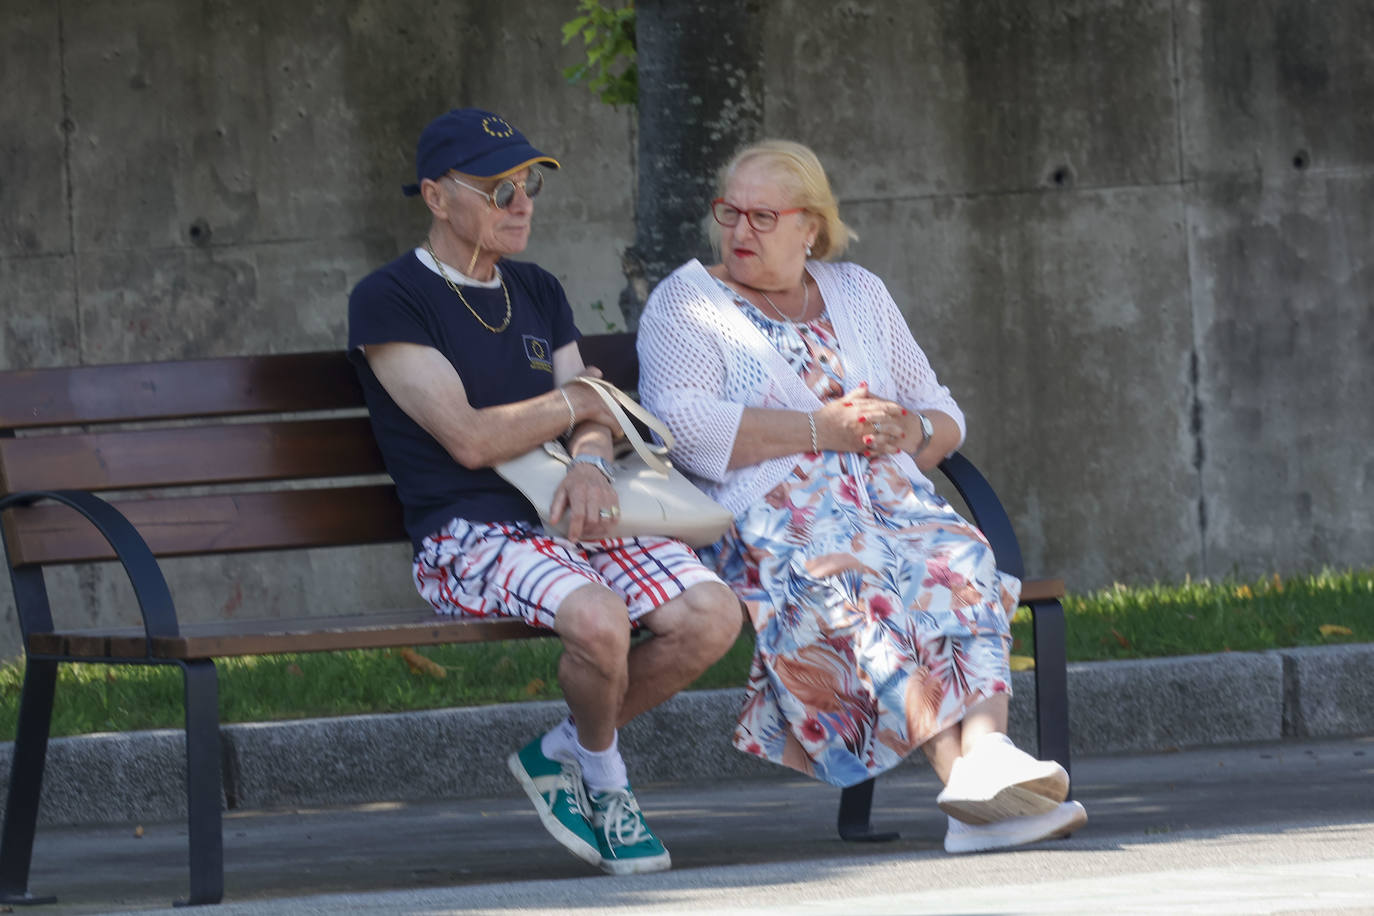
(603,770)
(560,742)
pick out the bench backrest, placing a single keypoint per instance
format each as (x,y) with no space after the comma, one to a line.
(208,456)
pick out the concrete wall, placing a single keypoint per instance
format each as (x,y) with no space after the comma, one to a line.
(1134,236)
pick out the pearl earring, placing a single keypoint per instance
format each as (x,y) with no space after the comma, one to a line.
(808,251)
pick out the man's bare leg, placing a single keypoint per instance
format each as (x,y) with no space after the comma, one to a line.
(594,669)
(691,632)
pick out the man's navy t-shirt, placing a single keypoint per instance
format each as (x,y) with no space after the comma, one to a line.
(407,302)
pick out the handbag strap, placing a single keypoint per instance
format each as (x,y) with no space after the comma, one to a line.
(631,405)
(618,402)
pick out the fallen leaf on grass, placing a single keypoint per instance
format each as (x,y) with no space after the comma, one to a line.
(1021,662)
(1335,629)
(1245,592)
(534,687)
(421,665)
(294,670)
(1125,643)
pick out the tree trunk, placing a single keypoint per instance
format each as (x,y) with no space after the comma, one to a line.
(700,99)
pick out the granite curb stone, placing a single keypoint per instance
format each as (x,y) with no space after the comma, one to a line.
(1115,707)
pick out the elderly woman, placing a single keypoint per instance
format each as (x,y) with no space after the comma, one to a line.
(801,402)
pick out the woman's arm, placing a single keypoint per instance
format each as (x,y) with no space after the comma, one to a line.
(918,389)
(858,422)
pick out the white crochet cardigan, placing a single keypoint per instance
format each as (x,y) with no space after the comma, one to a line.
(701,362)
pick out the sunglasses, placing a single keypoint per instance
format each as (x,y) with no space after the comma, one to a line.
(501,196)
(762,220)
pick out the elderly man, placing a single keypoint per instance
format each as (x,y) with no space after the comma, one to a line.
(463,355)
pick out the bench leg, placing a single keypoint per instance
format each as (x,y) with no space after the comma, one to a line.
(856,803)
(26,783)
(1051,681)
(203,783)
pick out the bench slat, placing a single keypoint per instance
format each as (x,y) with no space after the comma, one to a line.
(186,456)
(233,638)
(192,525)
(1042,589)
(224,639)
(614,355)
(173,390)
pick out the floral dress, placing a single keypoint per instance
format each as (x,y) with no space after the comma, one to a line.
(879,615)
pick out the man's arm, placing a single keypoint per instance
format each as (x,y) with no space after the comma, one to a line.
(592,437)
(424,384)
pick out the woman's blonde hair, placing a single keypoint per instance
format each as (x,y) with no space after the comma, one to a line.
(795,167)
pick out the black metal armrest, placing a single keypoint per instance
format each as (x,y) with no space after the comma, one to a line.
(149,585)
(987,512)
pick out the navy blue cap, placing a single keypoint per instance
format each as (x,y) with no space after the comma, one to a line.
(474,142)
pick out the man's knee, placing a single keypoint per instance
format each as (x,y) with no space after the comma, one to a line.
(595,626)
(713,616)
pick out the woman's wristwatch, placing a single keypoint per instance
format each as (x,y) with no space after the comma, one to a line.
(596,461)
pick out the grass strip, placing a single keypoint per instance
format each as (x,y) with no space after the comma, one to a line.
(1118,622)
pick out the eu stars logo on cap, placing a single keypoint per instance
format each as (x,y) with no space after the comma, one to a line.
(474,142)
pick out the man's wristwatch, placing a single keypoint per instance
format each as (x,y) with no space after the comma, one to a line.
(596,461)
(927,430)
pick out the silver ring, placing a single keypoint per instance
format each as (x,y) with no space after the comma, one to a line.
(606,513)
(877,427)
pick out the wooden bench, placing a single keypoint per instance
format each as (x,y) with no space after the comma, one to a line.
(240,431)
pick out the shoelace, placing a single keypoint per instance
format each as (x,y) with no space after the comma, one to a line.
(570,781)
(622,825)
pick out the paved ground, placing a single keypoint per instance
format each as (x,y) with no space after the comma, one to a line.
(1252,829)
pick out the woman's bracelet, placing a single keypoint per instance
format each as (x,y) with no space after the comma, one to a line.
(815,443)
(572,413)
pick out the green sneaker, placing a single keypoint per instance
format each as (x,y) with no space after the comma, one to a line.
(627,845)
(556,788)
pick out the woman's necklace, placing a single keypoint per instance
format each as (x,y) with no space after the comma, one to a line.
(806,301)
(454,286)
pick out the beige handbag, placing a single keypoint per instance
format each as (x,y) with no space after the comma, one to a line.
(655,499)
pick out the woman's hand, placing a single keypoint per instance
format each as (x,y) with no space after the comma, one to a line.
(860,422)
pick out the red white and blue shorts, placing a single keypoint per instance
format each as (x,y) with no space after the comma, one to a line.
(517,569)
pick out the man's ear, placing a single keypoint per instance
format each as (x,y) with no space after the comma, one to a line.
(434,197)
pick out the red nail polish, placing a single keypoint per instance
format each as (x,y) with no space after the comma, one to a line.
(868,454)
(863,419)
(868,440)
(848,403)
(903,411)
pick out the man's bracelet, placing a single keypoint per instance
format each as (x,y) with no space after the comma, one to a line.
(815,443)
(572,413)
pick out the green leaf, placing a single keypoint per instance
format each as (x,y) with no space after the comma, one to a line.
(571,27)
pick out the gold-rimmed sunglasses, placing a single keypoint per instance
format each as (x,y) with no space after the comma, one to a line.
(501,196)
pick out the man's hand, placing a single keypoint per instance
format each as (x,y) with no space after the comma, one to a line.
(589,501)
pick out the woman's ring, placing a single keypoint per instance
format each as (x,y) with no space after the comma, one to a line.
(612,512)
(877,427)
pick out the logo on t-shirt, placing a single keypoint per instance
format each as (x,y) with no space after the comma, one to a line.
(537,349)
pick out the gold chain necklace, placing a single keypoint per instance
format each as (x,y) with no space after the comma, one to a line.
(806,301)
(454,286)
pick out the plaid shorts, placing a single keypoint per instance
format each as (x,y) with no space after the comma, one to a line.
(516,569)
